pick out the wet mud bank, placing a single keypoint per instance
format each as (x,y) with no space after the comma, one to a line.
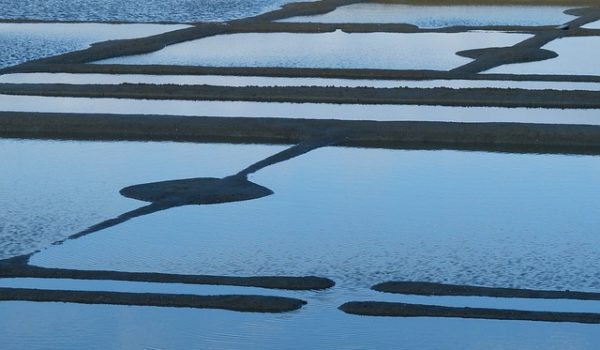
(14,270)
(242,303)
(467,97)
(441,289)
(372,308)
(378,74)
(503,137)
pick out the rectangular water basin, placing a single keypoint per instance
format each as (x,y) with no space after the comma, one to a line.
(442,16)
(326,50)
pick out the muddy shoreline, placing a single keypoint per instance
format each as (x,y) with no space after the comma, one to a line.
(500,137)
(466,97)
(373,308)
(241,303)
(442,289)
(376,74)
(268,282)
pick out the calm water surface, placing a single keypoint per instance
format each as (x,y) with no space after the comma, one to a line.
(297,110)
(326,50)
(442,16)
(576,56)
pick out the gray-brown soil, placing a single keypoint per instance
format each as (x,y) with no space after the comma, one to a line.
(373,308)
(243,303)
(441,289)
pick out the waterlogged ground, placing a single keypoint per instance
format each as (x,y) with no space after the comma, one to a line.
(21,42)
(136,11)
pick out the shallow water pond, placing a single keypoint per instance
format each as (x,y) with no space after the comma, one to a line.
(364,224)
(136,11)
(229,80)
(21,42)
(326,50)
(593,25)
(34,326)
(359,216)
(442,16)
(576,56)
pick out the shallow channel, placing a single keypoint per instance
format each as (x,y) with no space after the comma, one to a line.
(297,110)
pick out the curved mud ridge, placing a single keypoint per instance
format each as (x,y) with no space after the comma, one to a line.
(242,303)
(374,308)
(441,289)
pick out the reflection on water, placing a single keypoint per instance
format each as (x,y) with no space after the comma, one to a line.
(51,190)
(229,80)
(326,50)
(442,16)
(357,216)
(21,42)
(576,56)
(34,326)
(361,217)
(296,110)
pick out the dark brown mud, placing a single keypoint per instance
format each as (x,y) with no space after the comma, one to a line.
(373,308)
(441,289)
(501,137)
(467,97)
(242,303)
(20,269)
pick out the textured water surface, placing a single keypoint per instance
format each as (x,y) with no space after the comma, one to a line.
(27,41)
(136,11)
(442,16)
(327,50)
(50,190)
(366,216)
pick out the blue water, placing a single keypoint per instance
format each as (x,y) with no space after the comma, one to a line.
(136,11)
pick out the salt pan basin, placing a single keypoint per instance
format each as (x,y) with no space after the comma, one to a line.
(326,50)
(20,42)
(442,16)
(361,217)
(358,216)
(224,80)
(296,110)
(576,56)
